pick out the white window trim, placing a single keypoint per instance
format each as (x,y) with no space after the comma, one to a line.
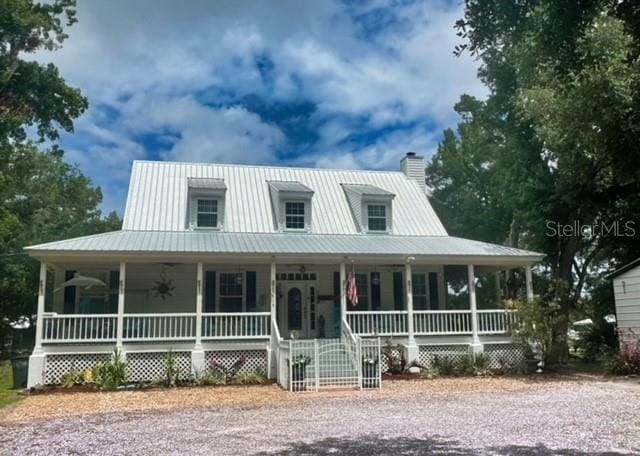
(193,210)
(304,215)
(197,200)
(219,291)
(365,215)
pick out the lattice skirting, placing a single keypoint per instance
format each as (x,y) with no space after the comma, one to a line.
(427,353)
(255,359)
(56,366)
(385,362)
(152,366)
(503,356)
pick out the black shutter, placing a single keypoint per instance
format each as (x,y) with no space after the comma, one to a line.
(251,290)
(69,294)
(114,289)
(433,290)
(398,291)
(375,290)
(210,291)
(336,290)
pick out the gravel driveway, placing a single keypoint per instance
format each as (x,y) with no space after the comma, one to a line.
(457,417)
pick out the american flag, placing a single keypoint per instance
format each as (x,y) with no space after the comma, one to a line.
(352,289)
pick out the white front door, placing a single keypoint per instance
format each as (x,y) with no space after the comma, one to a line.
(296,310)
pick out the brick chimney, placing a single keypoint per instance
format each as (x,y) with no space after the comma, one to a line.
(413,167)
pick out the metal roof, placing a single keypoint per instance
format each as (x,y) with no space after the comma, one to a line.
(290,186)
(278,244)
(367,190)
(157,198)
(206,183)
(625,268)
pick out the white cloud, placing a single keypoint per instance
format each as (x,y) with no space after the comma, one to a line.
(151,64)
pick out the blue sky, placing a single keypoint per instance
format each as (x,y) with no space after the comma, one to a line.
(313,83)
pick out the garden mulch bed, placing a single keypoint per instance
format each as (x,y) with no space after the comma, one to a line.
(72,403)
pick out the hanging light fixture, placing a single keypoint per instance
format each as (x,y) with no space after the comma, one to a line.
(375,280)
(239,277)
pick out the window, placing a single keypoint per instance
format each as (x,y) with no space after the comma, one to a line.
(207,213)
(294,215)
(230,292)
(420,291)
(377,217)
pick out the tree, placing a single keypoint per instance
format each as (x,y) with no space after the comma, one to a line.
(556,139)
(42,198)
(32,94)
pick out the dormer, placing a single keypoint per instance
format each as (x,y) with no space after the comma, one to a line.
(291,203)
(206,203)
(371,207)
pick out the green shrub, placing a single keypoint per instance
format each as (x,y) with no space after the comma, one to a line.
(626,361)
(255,377)
(211,377)
(72,378)
(111,374)
(395,356)
(444,365)
(171,369)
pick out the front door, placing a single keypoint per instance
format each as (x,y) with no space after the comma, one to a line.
(296,311)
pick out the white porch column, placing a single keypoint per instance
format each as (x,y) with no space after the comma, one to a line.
(343,292)
(412,347)
(476,346)
(272,353)
(199,277)
(197,354)
(36,360)
(529,282)
(121,290)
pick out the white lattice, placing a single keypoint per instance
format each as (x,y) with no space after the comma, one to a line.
(427,353)
(56,366)
(503,356)
(254,359)
(152,366)
(385,362)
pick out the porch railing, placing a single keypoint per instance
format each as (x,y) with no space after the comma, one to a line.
(160,326)
(441,322)
(79,328)
(498,321)
(245,325)
(378,322)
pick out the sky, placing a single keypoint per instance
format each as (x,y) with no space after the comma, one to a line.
(303,83)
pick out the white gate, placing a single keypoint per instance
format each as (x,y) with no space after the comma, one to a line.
(348,362)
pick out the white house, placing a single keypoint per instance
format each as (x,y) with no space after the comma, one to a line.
(227,261)
(626,289)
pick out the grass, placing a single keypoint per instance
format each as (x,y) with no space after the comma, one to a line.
(7,394)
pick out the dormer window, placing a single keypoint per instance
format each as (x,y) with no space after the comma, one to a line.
(206,203)
(294,215)
(291,202)
(371,207)
(207,216)
(377,217)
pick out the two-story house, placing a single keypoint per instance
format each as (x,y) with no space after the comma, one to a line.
(221,261)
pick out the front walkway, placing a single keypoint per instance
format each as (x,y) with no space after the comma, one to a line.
(571,416)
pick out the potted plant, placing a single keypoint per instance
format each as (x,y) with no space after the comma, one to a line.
(370,372)
(298,368)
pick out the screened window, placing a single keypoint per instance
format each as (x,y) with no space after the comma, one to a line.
(377,217)
(294,215)
(230,292)
(420,291)
(207,213)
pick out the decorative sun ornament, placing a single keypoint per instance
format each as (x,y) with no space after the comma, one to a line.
(163,287)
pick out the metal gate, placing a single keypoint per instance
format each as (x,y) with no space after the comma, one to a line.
(333,363)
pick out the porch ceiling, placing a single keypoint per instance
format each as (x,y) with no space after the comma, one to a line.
(203,243)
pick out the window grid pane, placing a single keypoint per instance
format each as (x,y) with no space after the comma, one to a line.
(207,213)
(377,217)
(419,289)
(294,215)
(230,284)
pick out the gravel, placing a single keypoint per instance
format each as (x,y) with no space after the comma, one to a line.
(569,416)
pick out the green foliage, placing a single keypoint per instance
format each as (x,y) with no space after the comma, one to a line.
(8,395)
(555,141)
(468,365)
(72,378)
(34,94)
(255,377)
(211,377)
(112,373)
(626,361)
(171,369)
(538,322)
(395,356)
